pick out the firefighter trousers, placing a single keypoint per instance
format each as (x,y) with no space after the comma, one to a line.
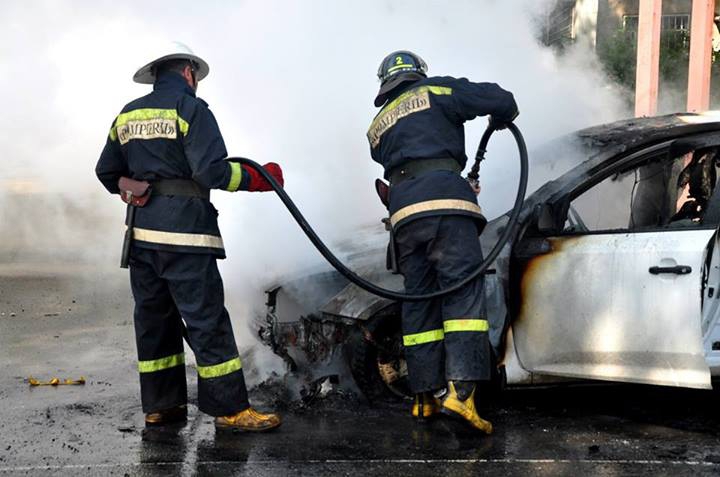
(171,288)
(445,339)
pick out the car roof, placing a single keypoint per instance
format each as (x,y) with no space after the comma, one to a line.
(636,132)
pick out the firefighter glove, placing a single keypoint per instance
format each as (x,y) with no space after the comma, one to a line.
(258,183)
(497,124)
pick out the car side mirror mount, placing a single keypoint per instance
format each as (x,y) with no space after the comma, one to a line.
(545,218)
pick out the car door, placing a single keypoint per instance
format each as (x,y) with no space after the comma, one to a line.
(616,295)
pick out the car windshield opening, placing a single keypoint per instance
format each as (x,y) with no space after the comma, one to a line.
(664,191)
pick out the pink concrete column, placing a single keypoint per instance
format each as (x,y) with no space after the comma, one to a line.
(701,31)
(648,58)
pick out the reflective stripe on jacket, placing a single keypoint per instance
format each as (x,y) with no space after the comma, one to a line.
(424,120)
(171,134)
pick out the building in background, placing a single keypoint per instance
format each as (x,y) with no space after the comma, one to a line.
(609,28)
(597,22)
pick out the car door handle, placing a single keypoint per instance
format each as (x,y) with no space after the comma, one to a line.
(677,270)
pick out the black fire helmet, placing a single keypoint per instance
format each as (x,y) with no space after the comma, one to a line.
(396,68)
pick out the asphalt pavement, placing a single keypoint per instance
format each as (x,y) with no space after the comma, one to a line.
(71,321)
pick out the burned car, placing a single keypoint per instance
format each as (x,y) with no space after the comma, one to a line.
(613,274)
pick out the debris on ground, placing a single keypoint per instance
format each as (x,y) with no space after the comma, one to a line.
(56,382)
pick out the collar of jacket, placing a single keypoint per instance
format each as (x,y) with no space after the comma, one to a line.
(400,89)
(172,81)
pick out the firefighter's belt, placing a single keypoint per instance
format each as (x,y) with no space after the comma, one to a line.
(418,167)
(184,187)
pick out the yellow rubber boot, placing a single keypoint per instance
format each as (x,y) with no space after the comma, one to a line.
(465,409)
(166,416)
(248,420)
(429,403)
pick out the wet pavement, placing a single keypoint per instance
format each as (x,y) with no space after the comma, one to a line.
(54,322)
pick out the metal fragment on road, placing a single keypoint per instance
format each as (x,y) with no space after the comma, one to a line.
(56,382)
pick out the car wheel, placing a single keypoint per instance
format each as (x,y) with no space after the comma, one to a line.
(376,357)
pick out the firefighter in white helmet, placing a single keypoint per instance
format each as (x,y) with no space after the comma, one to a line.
(164,154)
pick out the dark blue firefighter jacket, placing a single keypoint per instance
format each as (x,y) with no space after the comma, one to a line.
(424,120)
(171,134)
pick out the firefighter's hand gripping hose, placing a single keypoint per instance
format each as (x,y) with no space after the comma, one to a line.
(507,233)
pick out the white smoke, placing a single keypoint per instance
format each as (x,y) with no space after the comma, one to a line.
(290,82)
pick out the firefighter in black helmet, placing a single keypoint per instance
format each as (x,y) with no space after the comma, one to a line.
(418,137)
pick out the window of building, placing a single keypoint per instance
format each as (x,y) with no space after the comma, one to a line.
(667,23)
(557,23)
(675,22)
(630,22)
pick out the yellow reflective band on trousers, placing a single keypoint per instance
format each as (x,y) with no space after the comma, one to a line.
(451,326)
(235,177)
(176,238)
(167,362)
(433,205)
(217,370)
(423,337)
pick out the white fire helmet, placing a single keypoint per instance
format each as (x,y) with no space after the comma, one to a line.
(173,51)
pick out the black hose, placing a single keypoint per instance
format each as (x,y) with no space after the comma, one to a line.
(474,173)
(391,294)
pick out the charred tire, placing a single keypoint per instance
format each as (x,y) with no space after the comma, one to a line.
(373,346)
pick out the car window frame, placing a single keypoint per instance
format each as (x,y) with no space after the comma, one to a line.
(562,204)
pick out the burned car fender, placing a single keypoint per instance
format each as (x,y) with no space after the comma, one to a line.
(354,303)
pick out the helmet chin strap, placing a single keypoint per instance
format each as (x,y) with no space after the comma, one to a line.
(192,80)
(194,75)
